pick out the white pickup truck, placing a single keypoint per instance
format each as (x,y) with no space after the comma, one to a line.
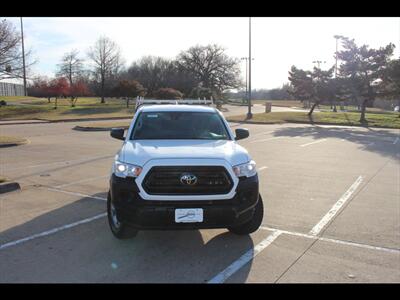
(180,167)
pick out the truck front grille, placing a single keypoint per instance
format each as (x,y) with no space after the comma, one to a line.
(166,180)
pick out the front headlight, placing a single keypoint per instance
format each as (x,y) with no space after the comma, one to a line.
(247,169)
(124,170)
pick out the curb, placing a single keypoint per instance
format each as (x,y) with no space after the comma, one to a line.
(80,128)
(83,128)
(22,123)
(42,121)
(14,144)
(90,119)
(9,187)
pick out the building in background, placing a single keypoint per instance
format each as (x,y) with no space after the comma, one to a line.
(11,86)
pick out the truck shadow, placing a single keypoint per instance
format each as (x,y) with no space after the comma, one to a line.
(374,140)
(90,253)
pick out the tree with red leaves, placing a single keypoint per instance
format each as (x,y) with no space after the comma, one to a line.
(168,93)
(59,87)
(129,89)
(40,88)
(78,89)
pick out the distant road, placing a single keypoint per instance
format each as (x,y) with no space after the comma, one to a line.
(233,110)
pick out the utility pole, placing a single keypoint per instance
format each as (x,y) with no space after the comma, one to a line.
(249,114)
(23,56)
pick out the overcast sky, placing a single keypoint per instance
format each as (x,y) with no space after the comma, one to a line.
(277,43)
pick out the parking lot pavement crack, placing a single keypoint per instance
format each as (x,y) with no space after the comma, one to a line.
(296,260)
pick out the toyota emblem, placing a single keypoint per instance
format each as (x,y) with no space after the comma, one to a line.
(188,179)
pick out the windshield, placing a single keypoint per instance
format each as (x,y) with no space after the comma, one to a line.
(179,125)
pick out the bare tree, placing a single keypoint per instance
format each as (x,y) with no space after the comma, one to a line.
(212,66)
(71,66)
(158,72)
(106,57)
(10,51)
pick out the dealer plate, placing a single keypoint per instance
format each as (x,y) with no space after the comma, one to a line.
(188,215)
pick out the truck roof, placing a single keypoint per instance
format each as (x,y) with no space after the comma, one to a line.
(174,107)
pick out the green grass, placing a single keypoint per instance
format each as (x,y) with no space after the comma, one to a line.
(86,107)
(82,101)
(387,120)
(47,112)
(283,103)
(352,108)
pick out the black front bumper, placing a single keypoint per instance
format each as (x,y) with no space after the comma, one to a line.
(150,214)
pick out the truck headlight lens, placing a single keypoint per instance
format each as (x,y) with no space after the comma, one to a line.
(247,169)
(126,170)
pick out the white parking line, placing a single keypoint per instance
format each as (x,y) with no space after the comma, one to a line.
(335,208)
(262,168)
(77,194)
(312,143)
(51,231)
(269,139)
(80,181)
(395,141)
(261,133)
(60,162)
(333,240)
(244,259)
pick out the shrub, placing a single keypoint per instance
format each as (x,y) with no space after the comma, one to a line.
(167,94)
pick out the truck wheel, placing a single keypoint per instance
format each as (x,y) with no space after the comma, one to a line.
(252,225)
(119,229)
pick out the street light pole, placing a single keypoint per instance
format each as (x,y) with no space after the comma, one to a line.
(336,53)
(336,70)
(23,56)
(249,114)
(245,58)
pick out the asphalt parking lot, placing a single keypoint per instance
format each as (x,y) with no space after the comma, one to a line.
(331,197)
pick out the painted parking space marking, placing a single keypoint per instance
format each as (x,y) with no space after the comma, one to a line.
(262,168)
(80,181)
(250,254)
(336,241)
(335,208)
(312,143)
(395,141)
(269,139)
(262,133)
(244,259)
(76,194)
(61,162)
(51,231)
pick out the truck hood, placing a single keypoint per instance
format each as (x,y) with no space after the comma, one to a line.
(139,152)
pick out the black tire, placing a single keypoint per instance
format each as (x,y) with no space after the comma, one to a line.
(120,230)
(252,225)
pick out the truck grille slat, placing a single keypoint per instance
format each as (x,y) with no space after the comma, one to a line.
(165,180)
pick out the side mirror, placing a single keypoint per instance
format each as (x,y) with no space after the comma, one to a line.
(241,133)
(117,133)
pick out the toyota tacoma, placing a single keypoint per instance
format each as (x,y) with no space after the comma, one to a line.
(180,167)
